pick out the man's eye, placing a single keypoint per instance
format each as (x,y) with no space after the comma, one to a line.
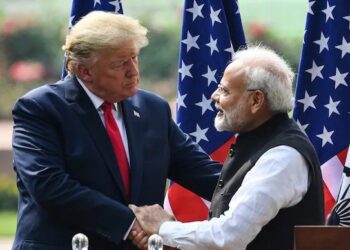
(118,64)
(222,90)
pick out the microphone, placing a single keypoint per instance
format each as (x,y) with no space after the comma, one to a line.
(80,242)
(155,242)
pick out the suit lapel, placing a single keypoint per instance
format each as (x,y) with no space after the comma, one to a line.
(135,130)
(89,116)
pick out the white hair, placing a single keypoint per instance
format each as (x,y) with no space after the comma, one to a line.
(268,72)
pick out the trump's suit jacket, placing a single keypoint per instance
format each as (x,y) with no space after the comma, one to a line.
(67,174)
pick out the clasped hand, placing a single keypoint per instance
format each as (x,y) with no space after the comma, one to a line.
(148,221)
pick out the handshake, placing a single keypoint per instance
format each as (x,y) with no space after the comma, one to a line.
(148,221)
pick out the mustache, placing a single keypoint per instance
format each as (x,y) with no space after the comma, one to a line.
(218,108)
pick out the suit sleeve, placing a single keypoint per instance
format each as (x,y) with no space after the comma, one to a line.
(40,166)
(190,166)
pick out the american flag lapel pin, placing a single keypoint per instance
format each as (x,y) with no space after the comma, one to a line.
(137,114)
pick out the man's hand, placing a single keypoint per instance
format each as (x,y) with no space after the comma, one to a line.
(138,237)
(151,217)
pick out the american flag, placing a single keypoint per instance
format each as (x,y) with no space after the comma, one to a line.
(323,94)
(211,32)
(82,7)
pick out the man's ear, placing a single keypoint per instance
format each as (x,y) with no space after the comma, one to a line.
(258,101)
(84,73)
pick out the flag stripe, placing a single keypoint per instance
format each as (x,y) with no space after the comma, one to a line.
(221,153)
(195,208)
(328,200)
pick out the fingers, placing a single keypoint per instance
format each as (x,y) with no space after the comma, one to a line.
(151,217)
(136,227)
(138,234)
(140,239)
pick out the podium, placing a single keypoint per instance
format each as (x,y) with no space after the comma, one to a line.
(321,238)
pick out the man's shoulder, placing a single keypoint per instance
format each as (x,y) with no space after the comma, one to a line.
(293,129)
(144,96)
(141,93)
(38,92)
(53,93)
(47,90)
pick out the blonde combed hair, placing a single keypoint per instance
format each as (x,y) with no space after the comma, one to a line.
(101,30)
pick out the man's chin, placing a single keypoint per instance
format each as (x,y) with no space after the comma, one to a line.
(133,90)
(219,124)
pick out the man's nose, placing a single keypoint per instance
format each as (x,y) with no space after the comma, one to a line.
(133,67)
(215,96)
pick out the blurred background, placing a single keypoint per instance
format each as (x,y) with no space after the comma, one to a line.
(32,34)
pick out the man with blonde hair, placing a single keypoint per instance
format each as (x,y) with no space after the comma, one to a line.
(90,144)
(271,180)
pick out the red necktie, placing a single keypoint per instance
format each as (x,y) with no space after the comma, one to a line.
(117,143)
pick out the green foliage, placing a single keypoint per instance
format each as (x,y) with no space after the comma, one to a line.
(8,194)
(24,41)
(35,42)
(8,221)
(285,18)
(159,59)
(9,93)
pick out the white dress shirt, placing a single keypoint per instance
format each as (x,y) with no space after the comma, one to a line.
(117,114)
(278,180)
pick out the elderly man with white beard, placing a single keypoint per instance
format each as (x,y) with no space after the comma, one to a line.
(271,179)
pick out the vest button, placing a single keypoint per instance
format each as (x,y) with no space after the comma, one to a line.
(232,152)
(221,183)
(233,149)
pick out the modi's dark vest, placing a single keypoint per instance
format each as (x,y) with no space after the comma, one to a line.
(280,130)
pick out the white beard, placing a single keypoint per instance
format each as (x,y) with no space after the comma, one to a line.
(221,123)
(231,120)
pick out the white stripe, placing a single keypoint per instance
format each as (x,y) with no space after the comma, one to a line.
(347,161)
(207,203)
(166,205)
(332,171)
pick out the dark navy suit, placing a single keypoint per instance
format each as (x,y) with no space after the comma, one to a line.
(67,174)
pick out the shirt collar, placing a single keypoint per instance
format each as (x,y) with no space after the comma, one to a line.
(97,101)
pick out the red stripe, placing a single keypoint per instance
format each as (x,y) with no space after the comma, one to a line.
(186,205)
(221,153)
(342,156)
(329,201)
